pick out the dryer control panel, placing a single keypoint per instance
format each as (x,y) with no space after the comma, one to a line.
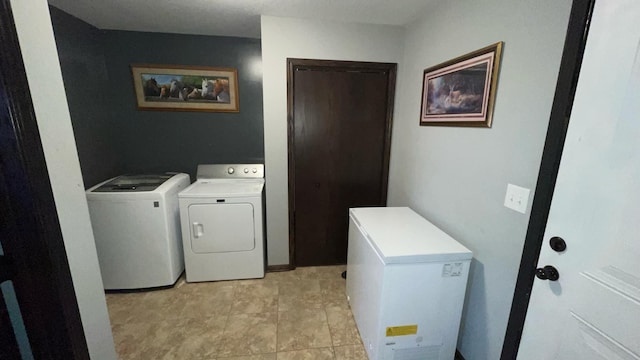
(230,171)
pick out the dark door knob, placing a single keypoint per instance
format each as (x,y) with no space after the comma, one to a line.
(557,244)
(547,273)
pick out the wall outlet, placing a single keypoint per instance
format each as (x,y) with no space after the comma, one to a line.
(517,198)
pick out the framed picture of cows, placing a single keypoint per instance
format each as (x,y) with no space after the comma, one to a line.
(185,88)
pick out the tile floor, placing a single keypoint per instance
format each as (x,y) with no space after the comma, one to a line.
(293,315)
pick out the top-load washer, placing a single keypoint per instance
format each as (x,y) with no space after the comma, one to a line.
(136,225)
(222,223)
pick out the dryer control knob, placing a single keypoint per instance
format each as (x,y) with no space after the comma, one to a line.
(246,171)
(254,170)
(230,170)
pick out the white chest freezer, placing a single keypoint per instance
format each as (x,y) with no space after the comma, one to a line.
(406,281)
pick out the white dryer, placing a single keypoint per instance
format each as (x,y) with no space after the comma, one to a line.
(222,223)
(136,225)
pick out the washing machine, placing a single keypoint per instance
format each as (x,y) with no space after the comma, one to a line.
(136,225)
(222,223)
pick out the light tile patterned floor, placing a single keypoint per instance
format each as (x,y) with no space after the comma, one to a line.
(294,315)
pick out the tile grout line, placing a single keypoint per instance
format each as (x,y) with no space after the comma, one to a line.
(277,318)
(226,323)
(326,316)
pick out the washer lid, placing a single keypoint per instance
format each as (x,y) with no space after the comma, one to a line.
(134,183)
(221,188)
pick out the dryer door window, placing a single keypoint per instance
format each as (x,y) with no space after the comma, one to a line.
(221,227)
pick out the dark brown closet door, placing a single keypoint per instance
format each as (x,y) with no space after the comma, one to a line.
(339,134)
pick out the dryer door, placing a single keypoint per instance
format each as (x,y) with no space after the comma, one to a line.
(221,227)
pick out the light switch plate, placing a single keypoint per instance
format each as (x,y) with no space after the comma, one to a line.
(517,198)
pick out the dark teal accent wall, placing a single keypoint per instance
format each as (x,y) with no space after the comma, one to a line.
(114,137)
(179,141)
(84,72)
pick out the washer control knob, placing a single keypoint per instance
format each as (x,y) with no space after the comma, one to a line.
(254,170)
(246,171)
(230,170)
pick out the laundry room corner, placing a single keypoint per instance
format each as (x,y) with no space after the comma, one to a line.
(114,137)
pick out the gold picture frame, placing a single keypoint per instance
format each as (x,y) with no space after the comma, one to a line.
(462,91)
(185,88)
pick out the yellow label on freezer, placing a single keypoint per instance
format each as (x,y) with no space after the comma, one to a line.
(402,330)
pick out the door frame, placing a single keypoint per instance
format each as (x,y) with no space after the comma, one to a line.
(34,255)
(294,64)
(570,63)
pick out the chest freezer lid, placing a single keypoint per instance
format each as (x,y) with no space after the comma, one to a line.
(399,235)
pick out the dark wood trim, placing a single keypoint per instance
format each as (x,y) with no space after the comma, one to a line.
(31,235)
(574,45)
(279,268)
(291,163)
(391,93)
(318,65)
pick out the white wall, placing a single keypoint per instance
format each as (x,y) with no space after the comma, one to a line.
(457,177)
(40,57)
(284,38)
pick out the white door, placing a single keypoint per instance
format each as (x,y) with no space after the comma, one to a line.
(593,310)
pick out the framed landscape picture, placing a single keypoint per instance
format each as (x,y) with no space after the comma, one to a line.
(461,92)
(185,88)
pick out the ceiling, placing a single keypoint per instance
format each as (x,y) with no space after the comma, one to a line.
(233,17)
